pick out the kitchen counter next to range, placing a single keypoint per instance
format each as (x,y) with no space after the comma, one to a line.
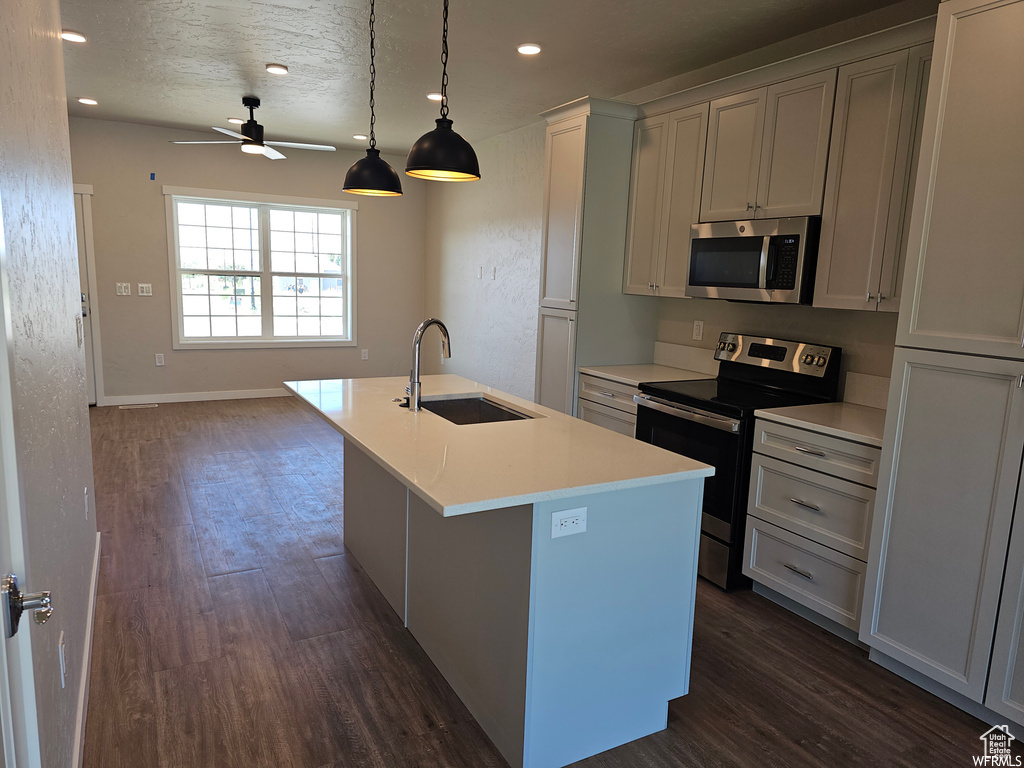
(847,421)
(634,375)
(458,469)
(561,610)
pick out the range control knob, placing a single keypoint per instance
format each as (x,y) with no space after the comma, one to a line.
(721,345)
(807,359)
(820,362)
(730,347)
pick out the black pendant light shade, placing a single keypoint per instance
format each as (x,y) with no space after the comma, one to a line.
(442,155)
(373,176)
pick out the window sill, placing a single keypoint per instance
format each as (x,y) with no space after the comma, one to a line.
(263,344)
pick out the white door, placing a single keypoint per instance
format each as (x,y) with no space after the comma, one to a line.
(83,226)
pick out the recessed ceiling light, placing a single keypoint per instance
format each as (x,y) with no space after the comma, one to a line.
(71,36)
(434,96)
(236,121)
(277,69)
(529,49)
(360,136)
(90,102)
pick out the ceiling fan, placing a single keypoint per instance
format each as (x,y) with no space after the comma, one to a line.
(251,137)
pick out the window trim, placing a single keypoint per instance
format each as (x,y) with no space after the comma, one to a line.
(177,342)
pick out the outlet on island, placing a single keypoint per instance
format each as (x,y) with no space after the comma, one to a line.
(568,522)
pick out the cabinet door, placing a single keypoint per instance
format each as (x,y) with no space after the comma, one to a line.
(687,140)
(908,153)
(865,135)
(794,150)
(563,212)
(646,204)
(735,128)
(1005,693)
(965,271)
(953,442)
(556,359)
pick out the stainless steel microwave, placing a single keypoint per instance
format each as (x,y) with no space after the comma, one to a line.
(771,260)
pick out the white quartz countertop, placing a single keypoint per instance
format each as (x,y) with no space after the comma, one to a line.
(635,374)
(848,421)
(458,469)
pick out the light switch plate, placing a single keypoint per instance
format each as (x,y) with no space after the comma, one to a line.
(124,289)
(145,289)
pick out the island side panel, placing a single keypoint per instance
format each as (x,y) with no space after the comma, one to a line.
(469,605)
(611,621)
(376,512)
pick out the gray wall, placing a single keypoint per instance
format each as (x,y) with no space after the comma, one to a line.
(131,246)
(494,223)
(39,272)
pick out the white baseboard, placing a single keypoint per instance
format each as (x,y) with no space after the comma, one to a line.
(83,685)
(190,397)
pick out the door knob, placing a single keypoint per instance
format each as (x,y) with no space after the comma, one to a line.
(15,602)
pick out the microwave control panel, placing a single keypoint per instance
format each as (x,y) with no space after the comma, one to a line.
(787,251)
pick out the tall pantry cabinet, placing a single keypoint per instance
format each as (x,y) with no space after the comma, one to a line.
(944,592)
(584,318)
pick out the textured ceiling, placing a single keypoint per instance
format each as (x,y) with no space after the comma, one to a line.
(187,63)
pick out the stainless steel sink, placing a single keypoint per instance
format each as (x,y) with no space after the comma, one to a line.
(476,409)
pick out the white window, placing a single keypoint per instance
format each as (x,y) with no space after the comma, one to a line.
(251,270)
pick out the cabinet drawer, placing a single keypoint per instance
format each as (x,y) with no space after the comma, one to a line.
(609,418)
(613,394)
(842,458)
(825,509)
(825,581)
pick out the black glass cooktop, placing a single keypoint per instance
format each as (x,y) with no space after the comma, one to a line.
(723,396)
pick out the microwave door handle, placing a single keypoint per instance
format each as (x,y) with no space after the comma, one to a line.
(762,275)
(773,253)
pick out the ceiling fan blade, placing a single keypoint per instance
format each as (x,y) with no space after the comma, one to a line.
(226,132)
(294,145)
(272,153)
(204,142)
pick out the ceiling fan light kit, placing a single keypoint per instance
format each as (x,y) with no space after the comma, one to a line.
(372,175)
(442,154)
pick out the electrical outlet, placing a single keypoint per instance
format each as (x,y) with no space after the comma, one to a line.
(364,354)
(124,289)
(145,289)
(698,330)
(568,522)
(62,656)
(159,358)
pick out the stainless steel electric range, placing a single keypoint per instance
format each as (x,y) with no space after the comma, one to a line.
(712,420)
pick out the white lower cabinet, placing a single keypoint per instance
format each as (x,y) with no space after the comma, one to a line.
(607,403)
(556,359)
(939,555)
(808,523)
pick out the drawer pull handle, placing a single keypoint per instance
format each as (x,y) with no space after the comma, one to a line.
(808,450)
(602,393)
(805,505)
(799,571)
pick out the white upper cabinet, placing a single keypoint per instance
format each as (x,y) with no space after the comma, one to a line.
(965,260)
(563,212)
(874,130)
(668,163)
(767,150)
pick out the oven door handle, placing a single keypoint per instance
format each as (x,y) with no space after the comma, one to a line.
(690,414)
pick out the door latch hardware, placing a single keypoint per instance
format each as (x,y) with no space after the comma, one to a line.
(15,602)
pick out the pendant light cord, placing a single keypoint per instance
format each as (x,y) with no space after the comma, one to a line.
(373,78)
(444,64)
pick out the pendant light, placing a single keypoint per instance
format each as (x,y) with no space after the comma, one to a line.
(443,155)
(372,175)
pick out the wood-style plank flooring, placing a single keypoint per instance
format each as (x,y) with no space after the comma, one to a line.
(232,629)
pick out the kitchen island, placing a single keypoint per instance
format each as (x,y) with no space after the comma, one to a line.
(547,566)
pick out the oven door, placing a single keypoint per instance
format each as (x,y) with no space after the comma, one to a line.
(708,437)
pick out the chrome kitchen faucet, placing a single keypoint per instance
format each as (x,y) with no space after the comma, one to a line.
(414,378)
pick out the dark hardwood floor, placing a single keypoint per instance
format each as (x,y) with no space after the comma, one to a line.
(232,629)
